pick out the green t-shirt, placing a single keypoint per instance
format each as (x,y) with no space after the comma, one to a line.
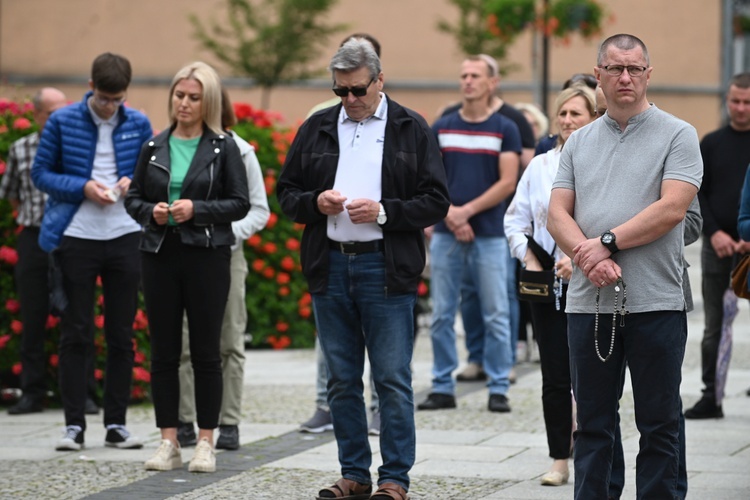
(181,152)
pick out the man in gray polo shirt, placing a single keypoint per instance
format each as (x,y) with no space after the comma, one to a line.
(617,208)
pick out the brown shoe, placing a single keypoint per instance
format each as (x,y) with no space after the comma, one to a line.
(390,491)
(346,489)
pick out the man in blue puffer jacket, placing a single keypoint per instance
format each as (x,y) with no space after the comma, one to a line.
(86,157)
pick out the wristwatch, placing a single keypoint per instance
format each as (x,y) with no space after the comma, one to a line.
(382,218)
(609,240)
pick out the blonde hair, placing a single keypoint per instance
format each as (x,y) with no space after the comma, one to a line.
(541,120)
(576,91)
(211,97)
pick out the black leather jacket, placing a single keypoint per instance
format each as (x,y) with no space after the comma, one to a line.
(216,182)
(414,192)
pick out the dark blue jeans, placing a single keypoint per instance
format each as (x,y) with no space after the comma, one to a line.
(356,312)
(653,346)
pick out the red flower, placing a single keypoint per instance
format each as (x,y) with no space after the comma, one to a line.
(17,368)
(141,320)
(99,321)
(305,312)
(8,255)
(279,343)
(282,327)
(3,129)
(139,357)
(422,289)
(268,273)
(270,247)
(284,291)
(137,393)
(21,123)
(13,306)
(242,110)
(98,281)
(16,326)
(2,166)
(305,300)
(254,240)
(258,265)
(272,220)
(292,244)
(54,360)
(52,322)
(141,374)
(4,340)
(283,278)
(287,263)
(100,300)
(98,374)
(298,227)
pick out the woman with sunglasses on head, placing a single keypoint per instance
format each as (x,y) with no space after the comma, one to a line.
(525,226)
(188,187)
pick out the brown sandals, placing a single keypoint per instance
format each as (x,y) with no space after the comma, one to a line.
(346,489)
(390,491)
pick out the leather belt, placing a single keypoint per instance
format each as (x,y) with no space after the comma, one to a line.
(356,247)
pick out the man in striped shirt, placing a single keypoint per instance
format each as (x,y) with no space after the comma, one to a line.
(481,151)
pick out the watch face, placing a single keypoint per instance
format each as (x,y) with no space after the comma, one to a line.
(607,238)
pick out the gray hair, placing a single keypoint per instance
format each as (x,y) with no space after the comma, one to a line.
(622,42)
(354,54)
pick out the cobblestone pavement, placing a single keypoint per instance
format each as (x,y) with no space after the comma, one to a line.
(467,453)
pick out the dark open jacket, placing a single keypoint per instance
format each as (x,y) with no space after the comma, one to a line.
(216,182)
(414,192)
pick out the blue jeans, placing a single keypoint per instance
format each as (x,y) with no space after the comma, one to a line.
(483,261)
(653,346)
(357,312)
(471,314)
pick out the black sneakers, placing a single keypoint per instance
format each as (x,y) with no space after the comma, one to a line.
(26,404)
(437,401)
(704,408)
(229,437)
(498,403)
(186,434)
(72,439)
(119,437)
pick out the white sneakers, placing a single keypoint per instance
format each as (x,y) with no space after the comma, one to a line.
(168,457)
(204,459)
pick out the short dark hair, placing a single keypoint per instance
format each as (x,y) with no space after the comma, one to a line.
(586,79)
(622,41)
(740,80)
(368,37)
(111,73)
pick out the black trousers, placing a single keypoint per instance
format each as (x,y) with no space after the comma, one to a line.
(31,284)
(181,278)
(551,329)
(116,262)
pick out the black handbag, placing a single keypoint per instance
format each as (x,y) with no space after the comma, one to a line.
(539,286)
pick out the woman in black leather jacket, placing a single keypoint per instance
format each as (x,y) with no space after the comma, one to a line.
(189,185)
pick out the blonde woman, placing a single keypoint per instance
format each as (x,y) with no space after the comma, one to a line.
(527,215)
(189,185)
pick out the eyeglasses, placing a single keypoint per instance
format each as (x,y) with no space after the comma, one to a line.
(356,91)
(102,101)
(616,70)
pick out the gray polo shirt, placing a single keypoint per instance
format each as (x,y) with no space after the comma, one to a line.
(615,176)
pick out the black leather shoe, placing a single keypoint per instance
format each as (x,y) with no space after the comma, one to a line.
(704,408)
(91,407)
(229,437)
(437,401)
(186,434)
(26,404)
(498,403)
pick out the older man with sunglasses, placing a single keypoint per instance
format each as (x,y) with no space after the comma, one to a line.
(365,177)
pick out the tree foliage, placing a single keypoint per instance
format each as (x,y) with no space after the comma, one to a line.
(270,41)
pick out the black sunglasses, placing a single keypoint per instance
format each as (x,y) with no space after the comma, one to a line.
(356,91)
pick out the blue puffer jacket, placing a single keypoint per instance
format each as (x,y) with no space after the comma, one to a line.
(65,159)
